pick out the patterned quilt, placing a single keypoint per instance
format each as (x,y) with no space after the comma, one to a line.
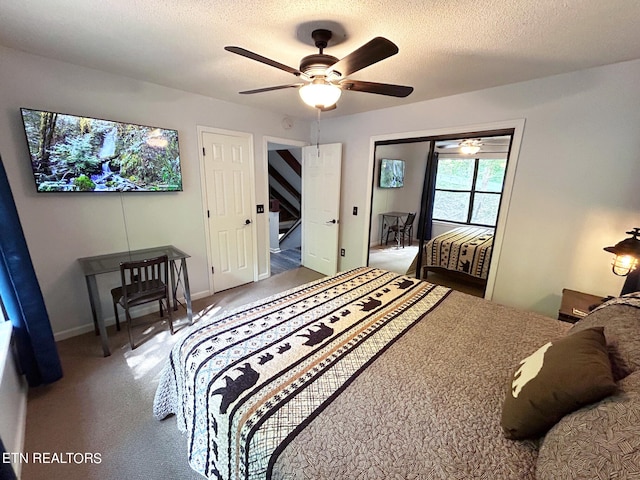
(245,385)
(630,299)
(463,249)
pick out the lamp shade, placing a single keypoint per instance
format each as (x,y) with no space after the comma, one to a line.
(626,254)
(320,95)
(623,264)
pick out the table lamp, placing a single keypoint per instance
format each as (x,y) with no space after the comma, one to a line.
(626,254)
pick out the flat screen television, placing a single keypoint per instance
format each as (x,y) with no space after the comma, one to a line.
(82,154)
(391,173)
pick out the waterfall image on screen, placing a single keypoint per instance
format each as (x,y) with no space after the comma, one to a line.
(80,154)
(391,173)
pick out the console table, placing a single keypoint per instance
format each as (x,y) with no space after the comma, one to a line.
(93,266)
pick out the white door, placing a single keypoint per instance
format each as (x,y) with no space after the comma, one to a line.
(229,190)
(321,171)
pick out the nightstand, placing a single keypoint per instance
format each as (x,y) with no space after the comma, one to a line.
(575,305)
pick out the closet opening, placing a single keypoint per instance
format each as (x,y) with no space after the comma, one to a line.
(454,185)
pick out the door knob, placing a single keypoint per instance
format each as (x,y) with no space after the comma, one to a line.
(332,221)
(247,221)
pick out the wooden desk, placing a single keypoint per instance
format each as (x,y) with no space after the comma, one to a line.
(93,266)
(575,305)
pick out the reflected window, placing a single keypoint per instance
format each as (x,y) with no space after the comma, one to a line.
(468,190)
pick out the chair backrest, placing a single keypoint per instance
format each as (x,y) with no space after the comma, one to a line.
(410,219)
(144,278)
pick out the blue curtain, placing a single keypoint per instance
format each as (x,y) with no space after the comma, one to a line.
(37,353)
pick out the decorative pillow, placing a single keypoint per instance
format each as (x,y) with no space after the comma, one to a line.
(558,378)
(598,441)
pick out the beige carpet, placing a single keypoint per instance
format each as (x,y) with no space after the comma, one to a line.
(104,405)
(392,258)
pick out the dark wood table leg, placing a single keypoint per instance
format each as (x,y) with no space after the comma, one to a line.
(187,290)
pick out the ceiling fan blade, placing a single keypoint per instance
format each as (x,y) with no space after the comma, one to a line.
(379,88)
(372,52)
(268,89)
(259,58)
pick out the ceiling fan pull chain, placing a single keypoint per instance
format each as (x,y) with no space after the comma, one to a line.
(318,133)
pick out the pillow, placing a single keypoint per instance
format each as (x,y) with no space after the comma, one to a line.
(558,378)
(598,441)
(621,324)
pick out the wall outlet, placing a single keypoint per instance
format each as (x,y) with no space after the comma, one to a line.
(342,252)
(260,209)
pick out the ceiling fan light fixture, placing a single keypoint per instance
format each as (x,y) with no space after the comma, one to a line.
(469,147)
(320,94)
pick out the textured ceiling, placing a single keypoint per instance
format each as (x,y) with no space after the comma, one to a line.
(446,46)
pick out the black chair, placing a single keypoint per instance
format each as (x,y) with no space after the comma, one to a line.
(143,282)
(403,231)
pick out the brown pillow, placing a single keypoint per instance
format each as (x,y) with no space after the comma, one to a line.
(557,379)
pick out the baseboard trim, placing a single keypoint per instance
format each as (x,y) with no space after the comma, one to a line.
(111,319)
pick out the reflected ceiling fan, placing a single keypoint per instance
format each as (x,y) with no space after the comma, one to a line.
(324,76)
(473,145)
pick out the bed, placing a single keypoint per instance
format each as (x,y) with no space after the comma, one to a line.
(367,374)
(465,251)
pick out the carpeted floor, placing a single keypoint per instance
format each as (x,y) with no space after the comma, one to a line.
(392,258)
(101,411)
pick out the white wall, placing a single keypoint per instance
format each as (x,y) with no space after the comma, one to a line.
(13,398)
(439,227)
(274,232)
(576,184)
(61,228)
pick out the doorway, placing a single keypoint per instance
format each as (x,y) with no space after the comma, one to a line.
(304,187)
(284,167)
(467,205)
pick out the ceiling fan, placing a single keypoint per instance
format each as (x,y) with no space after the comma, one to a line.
(325,76)
(473,145)
(495,141)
